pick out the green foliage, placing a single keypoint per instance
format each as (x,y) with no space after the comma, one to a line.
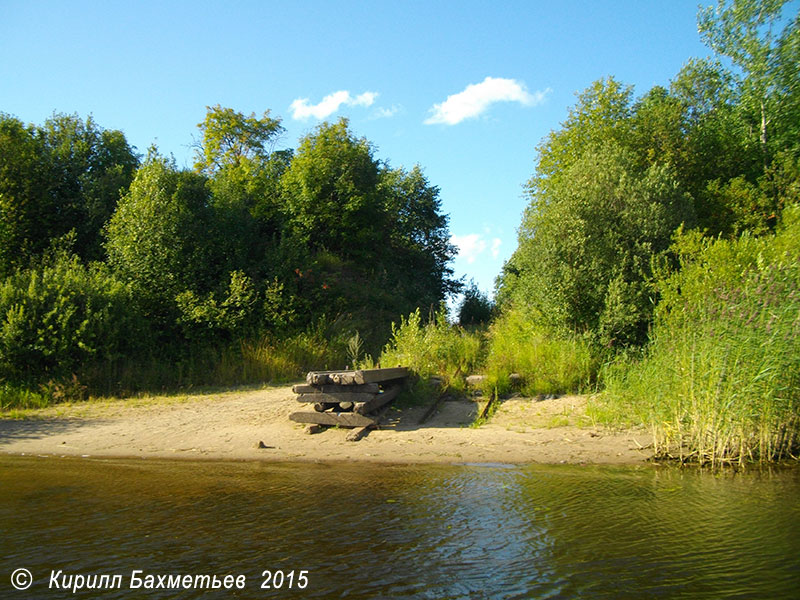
(476,308)
(587,243)
(436,349)
(61,319)
(547,363)
(330,192)
(232,140)
(65,176)
(161,237)
(720,380)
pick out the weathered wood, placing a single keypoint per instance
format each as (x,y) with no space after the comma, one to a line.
(359,377)
(315,428)
(367,388)
(434,406)
(485,413)
(380,375)
(323,406)
(336,398)
(332,418)
(346,406)
(319,377)
(359,433)
(378,401)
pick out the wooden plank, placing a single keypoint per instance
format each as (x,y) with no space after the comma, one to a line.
(360,377)
(440,396)
(335,398)
(368,388)
(332,418)
(380,375)
(380,400)
(359,433)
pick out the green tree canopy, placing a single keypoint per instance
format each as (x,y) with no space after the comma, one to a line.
(161,239)
(587,242)
(66,175)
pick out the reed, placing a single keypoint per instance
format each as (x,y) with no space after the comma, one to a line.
(720,381)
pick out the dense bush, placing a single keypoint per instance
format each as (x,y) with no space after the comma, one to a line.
(63,318)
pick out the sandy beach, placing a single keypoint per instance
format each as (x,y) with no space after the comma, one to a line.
(253,424)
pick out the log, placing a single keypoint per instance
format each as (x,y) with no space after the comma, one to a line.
(380,375)
(335,398)
(359,433)
(318,377)
(332,418)
(368,388)
(360,377)
(378,401)
(312,429)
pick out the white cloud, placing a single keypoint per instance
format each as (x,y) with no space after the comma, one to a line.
(496,243)
(478,97)
(385,113)
(302,109)
(470,246)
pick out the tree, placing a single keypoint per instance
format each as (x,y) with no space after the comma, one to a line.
(420,239)
(162,238)
(586,247)
(91,168)
(476,308)
(25,199)
(62,177)
(230,139)
(330,193)
(745,32)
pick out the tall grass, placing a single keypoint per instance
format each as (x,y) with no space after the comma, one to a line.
(266,359)
(547,363)
(720,381)
(436,349)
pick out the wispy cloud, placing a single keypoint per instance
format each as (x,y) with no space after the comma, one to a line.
(496,243)
(478,97)
(386,113)
(302,108)
(470,246)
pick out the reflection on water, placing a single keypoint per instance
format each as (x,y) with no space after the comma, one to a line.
(367,531)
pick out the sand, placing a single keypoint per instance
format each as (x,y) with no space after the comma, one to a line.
(253,424)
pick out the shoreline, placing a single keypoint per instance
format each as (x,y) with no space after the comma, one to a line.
(254,425)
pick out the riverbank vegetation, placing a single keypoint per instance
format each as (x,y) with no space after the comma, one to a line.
(656,264)
(123,273)
(657,258)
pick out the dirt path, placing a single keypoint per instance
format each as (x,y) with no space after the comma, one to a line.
(230,425)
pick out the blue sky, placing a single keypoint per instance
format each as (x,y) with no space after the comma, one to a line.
(466,89)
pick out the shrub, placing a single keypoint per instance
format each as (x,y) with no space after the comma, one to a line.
(60,318)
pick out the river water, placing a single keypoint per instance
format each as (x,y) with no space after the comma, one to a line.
(392,531)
